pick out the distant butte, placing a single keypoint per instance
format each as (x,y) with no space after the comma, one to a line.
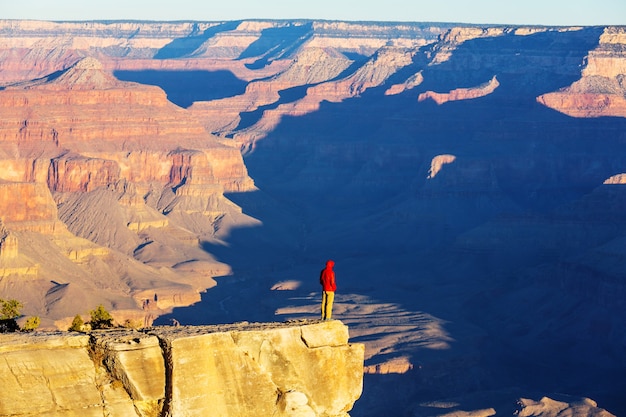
(601,91)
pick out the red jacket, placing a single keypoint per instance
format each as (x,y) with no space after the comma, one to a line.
(327,277)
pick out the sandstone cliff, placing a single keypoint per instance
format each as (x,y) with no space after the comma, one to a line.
(601,91)
(374,72)
(34,49)
(461,93)
(293,369)
(97,167)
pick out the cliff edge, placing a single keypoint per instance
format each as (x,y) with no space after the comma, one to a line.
(272,369)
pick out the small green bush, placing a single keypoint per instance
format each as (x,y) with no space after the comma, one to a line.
(31,323)
(100,318)
(78,324)
(10,309)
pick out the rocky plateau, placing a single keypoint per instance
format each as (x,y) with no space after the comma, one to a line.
(242,369)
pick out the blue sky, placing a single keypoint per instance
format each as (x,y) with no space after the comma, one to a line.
(544,12)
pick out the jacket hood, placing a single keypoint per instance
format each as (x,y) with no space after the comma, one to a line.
(330,263)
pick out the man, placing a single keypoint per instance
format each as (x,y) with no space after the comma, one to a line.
(327,279)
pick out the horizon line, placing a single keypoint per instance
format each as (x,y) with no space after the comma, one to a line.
(306,19)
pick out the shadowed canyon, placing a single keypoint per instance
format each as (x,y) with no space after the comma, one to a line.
(469,183)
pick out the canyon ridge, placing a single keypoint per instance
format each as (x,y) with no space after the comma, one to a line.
(467,180)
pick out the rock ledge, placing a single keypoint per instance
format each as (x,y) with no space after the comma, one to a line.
(304,368)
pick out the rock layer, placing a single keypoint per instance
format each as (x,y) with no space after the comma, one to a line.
(297,369)
(117,158)
(601,91)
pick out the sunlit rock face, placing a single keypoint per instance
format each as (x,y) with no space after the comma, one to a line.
(461,93)
(122,163)
(601,90)
(298,369)
(34,49)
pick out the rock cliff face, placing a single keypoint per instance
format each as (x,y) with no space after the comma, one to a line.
(461,93)
(34,49)
(80,138)
(296,370)
(601,91)
(127,184)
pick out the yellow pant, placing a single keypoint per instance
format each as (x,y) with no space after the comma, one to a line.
(327,304)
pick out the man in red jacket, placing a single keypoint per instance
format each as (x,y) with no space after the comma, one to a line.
(327,279)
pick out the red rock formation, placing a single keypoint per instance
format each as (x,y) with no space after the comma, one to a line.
(616,179)
(72,172)
(24,204)
(437,164)
(461,93)
(386,62)
(451,40)
(412,82)
(115,117)
(585,104)
(34,49)
(373,73)
(309,67)
(108,151)
(601,91)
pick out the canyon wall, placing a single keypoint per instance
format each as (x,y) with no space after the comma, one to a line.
(601,91)
(117,178)
(475,168)
(290,369)
(97,168)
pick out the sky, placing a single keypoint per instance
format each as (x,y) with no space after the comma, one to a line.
(528,12)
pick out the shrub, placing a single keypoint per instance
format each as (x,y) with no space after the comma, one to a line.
(31,323)
(100,318)
(77,324)
(10,309)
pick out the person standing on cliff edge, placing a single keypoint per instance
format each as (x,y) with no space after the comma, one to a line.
(327,279)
